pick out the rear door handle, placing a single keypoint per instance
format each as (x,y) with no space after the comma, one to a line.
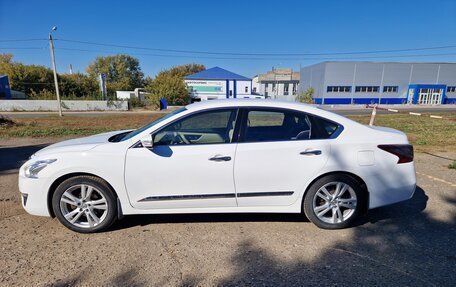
(311,152)
(220,158)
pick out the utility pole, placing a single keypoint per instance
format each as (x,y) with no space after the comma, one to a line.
(51,45)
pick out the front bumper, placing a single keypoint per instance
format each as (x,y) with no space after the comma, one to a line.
(34,192)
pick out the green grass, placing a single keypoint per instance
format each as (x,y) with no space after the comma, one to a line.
(452,165)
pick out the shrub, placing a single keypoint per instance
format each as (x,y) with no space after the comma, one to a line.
(306,96)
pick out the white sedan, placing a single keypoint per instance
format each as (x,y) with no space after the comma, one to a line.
(223,156)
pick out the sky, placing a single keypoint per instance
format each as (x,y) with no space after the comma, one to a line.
(222,30)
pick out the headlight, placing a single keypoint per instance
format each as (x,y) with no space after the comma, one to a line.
(32,170)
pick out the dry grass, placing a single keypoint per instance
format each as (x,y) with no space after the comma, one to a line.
(424,133)
(54,126)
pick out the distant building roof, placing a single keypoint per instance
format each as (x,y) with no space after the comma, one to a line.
(279,75)
(216,73)
(381,63)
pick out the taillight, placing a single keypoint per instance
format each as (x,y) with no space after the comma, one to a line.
(403,151)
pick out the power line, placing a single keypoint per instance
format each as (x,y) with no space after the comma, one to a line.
(261,59)
(232,53)
(34,83)
(257,54)
(22,48)
(237,58)
(62,81)
(24,40)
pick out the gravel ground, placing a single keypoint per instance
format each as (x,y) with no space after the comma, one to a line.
(407,244)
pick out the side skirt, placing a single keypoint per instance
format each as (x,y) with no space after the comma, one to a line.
(216,195)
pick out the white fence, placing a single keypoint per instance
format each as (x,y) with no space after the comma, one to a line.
(43,105)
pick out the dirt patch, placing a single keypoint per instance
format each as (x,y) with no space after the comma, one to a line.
(6,122)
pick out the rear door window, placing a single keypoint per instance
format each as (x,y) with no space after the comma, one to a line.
(285,125)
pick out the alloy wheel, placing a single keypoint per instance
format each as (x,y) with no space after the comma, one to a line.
(84,206)
(335,202)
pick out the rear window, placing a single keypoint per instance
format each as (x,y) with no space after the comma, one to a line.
(326,128)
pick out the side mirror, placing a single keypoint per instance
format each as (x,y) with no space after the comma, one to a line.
(148,141)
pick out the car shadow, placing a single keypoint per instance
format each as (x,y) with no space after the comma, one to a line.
(144,220)
(405,209)
(13,157)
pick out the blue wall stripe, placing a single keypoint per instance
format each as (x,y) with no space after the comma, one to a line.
(227,89)
(337,101)
(234,89)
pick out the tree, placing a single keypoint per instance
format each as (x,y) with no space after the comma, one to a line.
(6,64)
(38,81)
(169,84)
(306,96)
(78,85)
(31,79)
(123,72)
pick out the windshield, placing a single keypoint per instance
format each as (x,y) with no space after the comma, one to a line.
(140,130)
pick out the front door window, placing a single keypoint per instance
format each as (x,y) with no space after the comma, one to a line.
(212,127)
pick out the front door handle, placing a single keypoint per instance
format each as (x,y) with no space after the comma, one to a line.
(220,158)
(311,152)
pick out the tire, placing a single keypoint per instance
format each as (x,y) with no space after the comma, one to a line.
(329,210)
(85,204)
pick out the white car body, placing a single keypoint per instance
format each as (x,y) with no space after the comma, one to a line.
(136,174)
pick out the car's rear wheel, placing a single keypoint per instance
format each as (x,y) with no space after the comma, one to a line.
(334,201)
(85,204)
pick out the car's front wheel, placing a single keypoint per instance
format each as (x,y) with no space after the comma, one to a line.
(85,204)
(334,201)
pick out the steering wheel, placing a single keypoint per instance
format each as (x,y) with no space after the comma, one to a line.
(178,139)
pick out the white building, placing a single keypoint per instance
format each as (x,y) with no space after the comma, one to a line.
(218,83)
(280,84)
(127,95)
(255,85)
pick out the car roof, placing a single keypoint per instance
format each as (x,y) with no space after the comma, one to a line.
(246,102)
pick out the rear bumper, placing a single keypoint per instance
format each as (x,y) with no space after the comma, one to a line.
(392,186)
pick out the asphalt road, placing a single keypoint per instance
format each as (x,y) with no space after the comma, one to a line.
(342,110)
(407,244)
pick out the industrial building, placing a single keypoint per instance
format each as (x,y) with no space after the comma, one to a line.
(280,84)
(5,91)
(218,83)
(380,82)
